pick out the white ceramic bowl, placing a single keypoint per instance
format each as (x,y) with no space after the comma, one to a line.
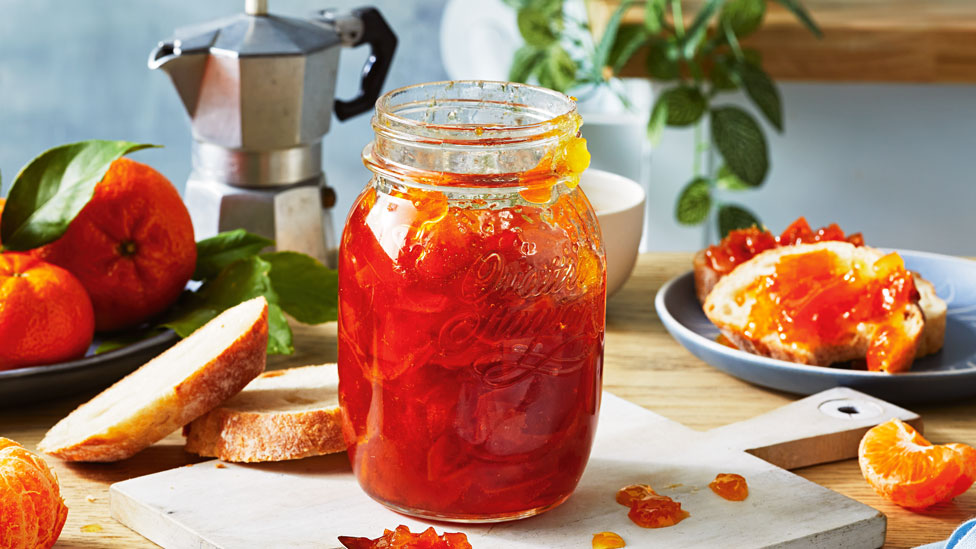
(619,205)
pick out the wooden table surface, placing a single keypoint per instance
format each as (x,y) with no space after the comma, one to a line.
(643,364)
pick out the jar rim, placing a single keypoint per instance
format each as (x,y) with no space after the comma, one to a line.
(539,122)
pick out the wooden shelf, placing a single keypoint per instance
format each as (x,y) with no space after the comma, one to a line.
(864,40)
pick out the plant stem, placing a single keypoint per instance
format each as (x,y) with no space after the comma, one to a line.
(679,22)
(733,41)
(696,157)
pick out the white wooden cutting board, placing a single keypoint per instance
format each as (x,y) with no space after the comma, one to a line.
(310,502)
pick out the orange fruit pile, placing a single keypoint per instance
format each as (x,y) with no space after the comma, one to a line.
(905,468)
(32,512)
(131,246)
(45,313)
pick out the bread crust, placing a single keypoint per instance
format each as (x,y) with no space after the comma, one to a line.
(935,311)
(206,387)
(730,316)
(705,276)
(235,433)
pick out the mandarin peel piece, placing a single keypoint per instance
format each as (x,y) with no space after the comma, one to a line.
(905,468)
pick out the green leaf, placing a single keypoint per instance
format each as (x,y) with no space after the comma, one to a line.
(279,333)
(662,60)
(658,120)
(307,289)
(629,39)
(763,92)
(696,32)
(727,180)
(731,217)
(694,202)
(49,192)
(744,16)
(738,137)
(524,63)
(801,13)
(239,281)
(219,251)
(536,27)
(686,105)
(720,76)
(655,13)
(558,70)
(601,54)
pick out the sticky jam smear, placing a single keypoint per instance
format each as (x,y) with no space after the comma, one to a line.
(648,509)
(403,538)
(743,244)
(814,299)
(730,486)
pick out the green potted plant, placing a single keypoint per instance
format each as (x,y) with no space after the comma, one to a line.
(697,61)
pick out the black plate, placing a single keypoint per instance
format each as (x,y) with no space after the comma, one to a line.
(92,372)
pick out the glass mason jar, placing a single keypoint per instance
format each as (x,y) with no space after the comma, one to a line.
(472,299)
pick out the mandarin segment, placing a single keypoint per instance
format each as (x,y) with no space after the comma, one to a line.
(730,486)
(32,512)
(902,466)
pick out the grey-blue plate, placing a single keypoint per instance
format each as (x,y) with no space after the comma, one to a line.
(91,372)
(947,375)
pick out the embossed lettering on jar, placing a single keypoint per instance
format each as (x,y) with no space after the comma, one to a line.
(472,290)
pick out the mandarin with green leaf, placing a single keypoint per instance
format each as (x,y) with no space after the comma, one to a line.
(131,246)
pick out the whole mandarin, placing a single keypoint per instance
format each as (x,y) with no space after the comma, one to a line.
(131,246)
(45,313)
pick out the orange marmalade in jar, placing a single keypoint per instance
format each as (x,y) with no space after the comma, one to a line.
(472,297)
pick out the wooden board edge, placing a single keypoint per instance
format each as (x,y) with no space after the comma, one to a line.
(161,530)
(869,533)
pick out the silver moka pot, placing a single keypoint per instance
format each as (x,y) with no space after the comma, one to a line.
(260,92)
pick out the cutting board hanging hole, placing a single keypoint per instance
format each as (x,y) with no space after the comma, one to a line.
(853,409)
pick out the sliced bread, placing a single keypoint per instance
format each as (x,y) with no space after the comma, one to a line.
(171,390)
(935,310)
(729,306)
(281,415)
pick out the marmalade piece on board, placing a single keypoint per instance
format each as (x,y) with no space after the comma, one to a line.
(730,486)
(403,538)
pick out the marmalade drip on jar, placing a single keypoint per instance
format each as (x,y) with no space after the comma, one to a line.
(472,289)
(816,298)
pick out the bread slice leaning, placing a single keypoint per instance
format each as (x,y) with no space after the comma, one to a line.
(283,414)
(728,308)
(171,390)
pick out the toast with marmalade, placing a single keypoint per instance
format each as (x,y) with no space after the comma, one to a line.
(821,304)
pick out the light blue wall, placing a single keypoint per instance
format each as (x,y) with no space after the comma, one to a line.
(74,70)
